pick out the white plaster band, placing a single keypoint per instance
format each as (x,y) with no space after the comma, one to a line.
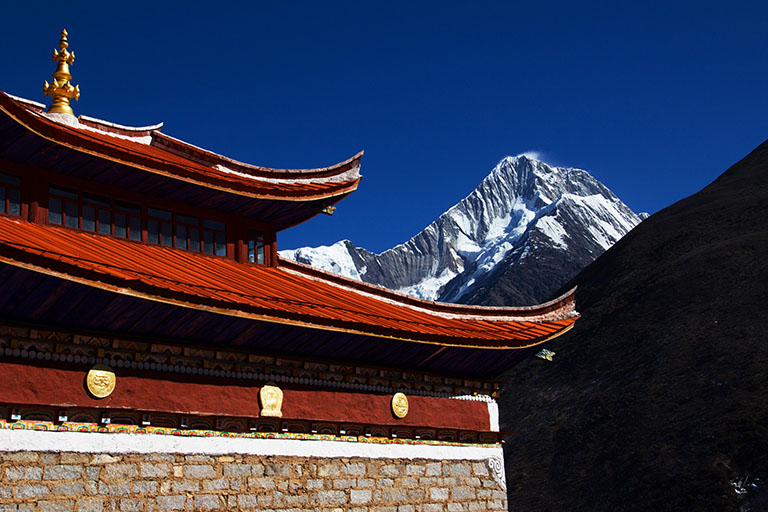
(94,442)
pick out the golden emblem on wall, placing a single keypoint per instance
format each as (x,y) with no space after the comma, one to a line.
(399,405)
(271,400)
(100,381)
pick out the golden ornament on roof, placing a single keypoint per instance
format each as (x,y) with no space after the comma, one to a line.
(61,90)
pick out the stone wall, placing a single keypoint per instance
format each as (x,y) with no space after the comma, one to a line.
(79,482)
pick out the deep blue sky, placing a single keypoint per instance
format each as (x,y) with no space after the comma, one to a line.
(655,99)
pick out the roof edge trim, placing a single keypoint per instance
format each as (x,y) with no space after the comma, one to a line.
(559,308)
(168,142)
(108,125)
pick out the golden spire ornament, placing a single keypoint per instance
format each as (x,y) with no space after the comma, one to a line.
(61,90)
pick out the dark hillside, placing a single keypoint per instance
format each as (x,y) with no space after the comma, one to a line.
(658,399)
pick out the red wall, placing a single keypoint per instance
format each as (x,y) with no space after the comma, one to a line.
(26,384)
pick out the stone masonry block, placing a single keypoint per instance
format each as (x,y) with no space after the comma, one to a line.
(314,483)
(473,482)
(329,469)
(354,468)
(49,459)
(434,469)
(461,493)
(277,470)
(295,500)
(32,491)
(415,469)
(63,472)
(120,471)
(439,493)
(363,483)
(185,486)
(484,493)
(458,469)
(90,505)
(480,468)
(262,482)
(131,505)
(21,457)
(144,487)
(418,495)
(332,497)
(150,470)
(496,505)
(247,501)
(237,470)
(23,473)
(103,458)
(390,470)
(171,502)
(68,489)
(56,506)
(394,495)
(360,496)
(165,457)
(208,502)
(115,489)
(344,483)
(216,485)
(198,458)
(199,471)
(74,458)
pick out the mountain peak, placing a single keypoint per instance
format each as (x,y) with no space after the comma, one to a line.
(523,209)
(533,156)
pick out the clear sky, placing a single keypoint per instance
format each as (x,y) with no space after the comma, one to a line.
(655,99)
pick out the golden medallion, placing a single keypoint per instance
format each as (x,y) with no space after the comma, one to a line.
(400,405)
(101,381)
(271,400)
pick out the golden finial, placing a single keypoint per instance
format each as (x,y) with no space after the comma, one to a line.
(61,90)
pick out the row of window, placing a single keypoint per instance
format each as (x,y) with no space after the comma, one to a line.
(117,218)
(125,220)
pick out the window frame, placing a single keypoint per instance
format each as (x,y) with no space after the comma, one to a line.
(5,197)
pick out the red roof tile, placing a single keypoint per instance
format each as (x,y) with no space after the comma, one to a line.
(291,294)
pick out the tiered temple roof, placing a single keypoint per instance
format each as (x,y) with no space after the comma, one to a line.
(84,280)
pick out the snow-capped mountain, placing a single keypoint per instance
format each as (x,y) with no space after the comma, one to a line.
(527,222)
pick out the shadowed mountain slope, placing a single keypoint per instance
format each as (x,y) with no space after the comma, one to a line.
(657,400)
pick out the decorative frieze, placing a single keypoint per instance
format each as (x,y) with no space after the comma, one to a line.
(36,344)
